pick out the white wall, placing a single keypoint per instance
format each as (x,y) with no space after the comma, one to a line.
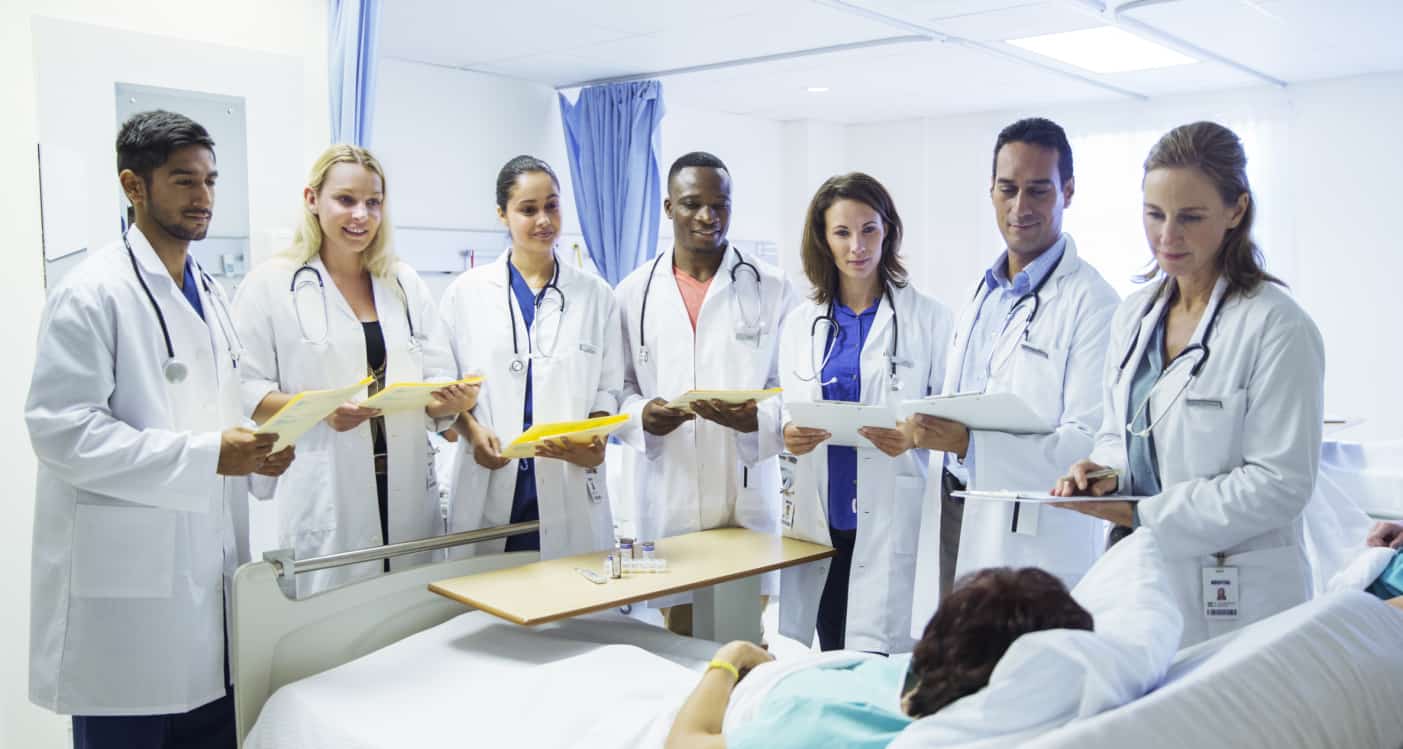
(752,149)
(267,26)
(1322,157)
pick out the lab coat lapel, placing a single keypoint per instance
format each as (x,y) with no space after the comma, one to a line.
(954,366)
(336,301)
(876,371)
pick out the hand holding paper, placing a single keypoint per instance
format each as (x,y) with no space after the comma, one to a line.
(409,396)
(583,432)
(305,410)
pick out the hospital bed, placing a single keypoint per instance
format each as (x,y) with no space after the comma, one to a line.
(385,663)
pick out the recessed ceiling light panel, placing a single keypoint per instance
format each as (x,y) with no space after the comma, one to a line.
(1104,49)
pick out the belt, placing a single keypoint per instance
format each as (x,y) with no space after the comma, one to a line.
(382,465)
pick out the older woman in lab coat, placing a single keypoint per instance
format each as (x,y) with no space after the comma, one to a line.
(334,308)
(1213,397)
(864,335)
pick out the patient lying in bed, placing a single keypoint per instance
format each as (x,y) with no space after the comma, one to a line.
(861,700)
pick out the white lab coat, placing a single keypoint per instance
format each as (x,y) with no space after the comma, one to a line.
(326,500)
(703,475)
(889,490)
(1237,455)
(135,535)
(583,375)
(1057,371)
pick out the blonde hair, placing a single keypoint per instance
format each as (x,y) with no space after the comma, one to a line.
(378,258)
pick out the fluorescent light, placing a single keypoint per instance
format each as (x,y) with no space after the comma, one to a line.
(1104,49)
(818,89)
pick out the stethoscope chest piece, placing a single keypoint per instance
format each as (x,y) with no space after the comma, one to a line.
(518,365)
(175,371)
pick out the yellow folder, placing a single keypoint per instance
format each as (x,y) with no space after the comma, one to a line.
(575,431)
(306,408)
(407,396)
(684,401)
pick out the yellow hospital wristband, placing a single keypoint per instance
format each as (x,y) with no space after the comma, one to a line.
(724,666)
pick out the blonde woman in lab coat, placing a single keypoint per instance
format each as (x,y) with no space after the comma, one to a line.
(335,307)
(546,335)
(863,335)
(1214,393)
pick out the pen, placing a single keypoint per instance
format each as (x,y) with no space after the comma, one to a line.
(1103,473)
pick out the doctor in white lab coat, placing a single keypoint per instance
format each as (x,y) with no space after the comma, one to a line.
(141,505)
(869,338)
(334,308)
(702,316)
(546,335)
(1035,326)
(1214,392)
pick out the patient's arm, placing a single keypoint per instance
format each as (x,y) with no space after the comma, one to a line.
(698,723)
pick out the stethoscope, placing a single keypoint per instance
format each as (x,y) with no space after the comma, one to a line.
(174,370)
(300,282)
(1201,348)
(835,331)
(997,359)
(745,329)
(518,363)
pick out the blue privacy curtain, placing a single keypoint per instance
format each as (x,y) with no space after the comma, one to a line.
(612,135)
(355,30)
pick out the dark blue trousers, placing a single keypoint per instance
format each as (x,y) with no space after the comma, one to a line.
(209,726)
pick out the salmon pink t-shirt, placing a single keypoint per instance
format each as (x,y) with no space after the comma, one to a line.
(693,293)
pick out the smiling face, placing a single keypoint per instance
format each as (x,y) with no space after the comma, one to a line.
(179,196)
(1029,197)
(348,207)
(1186,221)
(699,204)
(854,231)
(533,212)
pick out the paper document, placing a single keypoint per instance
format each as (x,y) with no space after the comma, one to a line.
(1037,498)
(408,396)
(842,419)
(305,410)
(994,412)
(575,431)
(683,402)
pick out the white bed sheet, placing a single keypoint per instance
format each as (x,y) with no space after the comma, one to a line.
(1328,673)
(599,681)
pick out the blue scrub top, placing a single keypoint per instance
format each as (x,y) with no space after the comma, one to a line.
(844,367)
(1142,467)
(524,506)
(190,289)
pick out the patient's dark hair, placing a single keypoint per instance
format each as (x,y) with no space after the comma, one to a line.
(976,623)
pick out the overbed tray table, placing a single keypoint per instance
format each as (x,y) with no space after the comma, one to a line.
(720,567)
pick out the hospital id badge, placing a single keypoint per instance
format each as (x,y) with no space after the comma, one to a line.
(1220,591)
(788,518)
(592,486)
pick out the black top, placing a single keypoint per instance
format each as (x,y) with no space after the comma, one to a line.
(375,364)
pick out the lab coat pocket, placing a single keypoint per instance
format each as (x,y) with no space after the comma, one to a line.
(1212,431)
(308,496)
(1269,581)
(907,493)
(1038,372)
(123,551)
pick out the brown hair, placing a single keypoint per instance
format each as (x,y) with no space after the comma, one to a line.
(1217,152)
(818,258)
(976,624)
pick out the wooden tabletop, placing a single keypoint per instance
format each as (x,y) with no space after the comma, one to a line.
(547,591)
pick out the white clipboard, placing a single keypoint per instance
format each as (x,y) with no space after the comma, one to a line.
(842,419)
(1036,498)
(993,412)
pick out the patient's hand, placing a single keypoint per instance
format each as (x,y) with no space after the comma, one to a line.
(1386,534)
(743,655)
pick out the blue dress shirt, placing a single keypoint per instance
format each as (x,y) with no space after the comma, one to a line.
(844,367)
